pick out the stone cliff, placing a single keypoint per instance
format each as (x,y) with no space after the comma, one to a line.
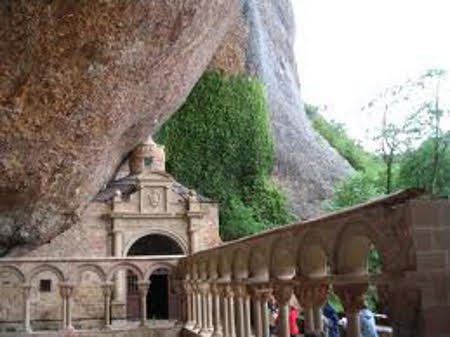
(81,84)
(261,43)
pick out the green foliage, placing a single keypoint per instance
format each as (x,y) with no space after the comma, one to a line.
(356,189)
(416,168)
(220,143)
(335,134)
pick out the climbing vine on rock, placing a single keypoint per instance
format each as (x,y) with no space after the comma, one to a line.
(220,143)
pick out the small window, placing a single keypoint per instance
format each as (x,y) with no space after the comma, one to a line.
(148,161)
(45,286)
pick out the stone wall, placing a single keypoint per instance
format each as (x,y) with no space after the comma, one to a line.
(431,228)
(89,237)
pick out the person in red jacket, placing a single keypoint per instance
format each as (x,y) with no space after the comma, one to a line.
(293,317)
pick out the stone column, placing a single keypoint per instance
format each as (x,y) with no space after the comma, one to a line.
(204,291)
(66,290)
(283,293)
(143,290)
(107,292)
(215,290)
(69,307)
(120,277)
(210,311)
(231,320)
(352,296)
(257,319)
(226,319)
(189,316)
(240,293)
(265,296)
(26,290)
(248,322)
(305,296)
(198,307)
(320,296)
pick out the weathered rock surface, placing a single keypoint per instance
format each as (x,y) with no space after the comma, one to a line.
(81,83)
(261,43)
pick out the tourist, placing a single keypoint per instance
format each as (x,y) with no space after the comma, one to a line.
(368,326)
(332,321)
(273,312)
(293,317)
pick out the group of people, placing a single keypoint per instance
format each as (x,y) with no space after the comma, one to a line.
(333,325)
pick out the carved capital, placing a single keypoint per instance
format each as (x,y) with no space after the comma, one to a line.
(228,291)
(66,290)
(352,296)
(26,291)
(305,295)
(216,289)
(143,288)
(240,290)
(187,287)
(320,292)
(283,293)
(107,289)
(204,288)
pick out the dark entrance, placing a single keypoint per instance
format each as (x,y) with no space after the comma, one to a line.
(158,298)
(161,303)
(155,244)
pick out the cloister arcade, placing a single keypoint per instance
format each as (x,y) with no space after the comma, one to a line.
(223,291)
(311,259)
(66,275)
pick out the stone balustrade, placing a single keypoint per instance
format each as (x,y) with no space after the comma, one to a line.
(310,259)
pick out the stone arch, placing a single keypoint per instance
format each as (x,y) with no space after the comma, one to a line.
(159,265)
(282,258)
(258,266)
(352,249)
(240,264)
(225,266)
(313,258)
(47,267)
(13,270)
(126,266)
(164,232)
(79,270)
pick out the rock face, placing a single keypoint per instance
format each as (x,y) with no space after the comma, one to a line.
(81,84)
(261,43)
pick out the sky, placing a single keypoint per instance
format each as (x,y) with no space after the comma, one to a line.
(349,50)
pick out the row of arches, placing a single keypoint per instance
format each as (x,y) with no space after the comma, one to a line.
(73,275)
(312,253)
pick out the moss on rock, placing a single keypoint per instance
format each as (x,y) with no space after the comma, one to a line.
(220,143)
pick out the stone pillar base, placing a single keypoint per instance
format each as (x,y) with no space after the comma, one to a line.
(118,310)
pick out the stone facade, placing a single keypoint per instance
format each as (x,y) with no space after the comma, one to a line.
(148,202)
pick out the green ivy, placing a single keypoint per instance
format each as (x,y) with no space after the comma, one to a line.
(220,143)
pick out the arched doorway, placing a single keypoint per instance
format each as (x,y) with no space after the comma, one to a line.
(158,303)
(155,244)
(161,303)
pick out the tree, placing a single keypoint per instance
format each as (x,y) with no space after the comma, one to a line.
(428,119)
(410,113)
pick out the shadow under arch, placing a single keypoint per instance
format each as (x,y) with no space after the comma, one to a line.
(164,243)
(312,257)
